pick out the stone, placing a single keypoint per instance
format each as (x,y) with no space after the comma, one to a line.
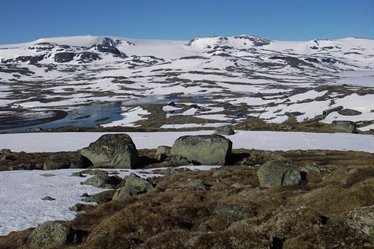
(230,212)
(4,151)
(64,160)
(51,234)
(194,183)
(162,152)
(98,198)
(48,198)
(128,191)
(167,171)
(278,173)
(203,149)
(311,168)
(344,126)
(224,131)
(77,207)
(134,185)
(100,180)
(221,173)
(112,150)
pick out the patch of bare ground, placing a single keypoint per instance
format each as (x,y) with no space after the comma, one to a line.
(231,210)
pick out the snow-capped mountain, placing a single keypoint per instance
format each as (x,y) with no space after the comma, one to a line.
(270,78)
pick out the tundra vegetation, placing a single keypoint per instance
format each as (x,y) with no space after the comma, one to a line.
(257,199)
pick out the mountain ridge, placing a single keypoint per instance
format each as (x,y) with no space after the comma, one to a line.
(245,70)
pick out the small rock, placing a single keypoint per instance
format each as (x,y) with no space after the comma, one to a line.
(162,152)
(311,168)
(224,131)
(220,173)
(79,174)
(77,207)
(48,198)
(194,183)
(230,212)
(101,180)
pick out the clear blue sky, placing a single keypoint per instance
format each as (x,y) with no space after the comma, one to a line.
(28,20)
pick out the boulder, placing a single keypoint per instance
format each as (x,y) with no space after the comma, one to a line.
(50,234)
(344,126)
(101,197)
(195,184)
(230,212)
(134,185)
(63,160)
(277,173)
(203,149)
(162,152)
(112,150)
(224,131)
(128,191)
(100,180)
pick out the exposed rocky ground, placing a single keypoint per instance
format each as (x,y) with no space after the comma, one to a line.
(247,203)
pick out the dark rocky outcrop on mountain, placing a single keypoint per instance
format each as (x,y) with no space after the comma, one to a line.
(112,150)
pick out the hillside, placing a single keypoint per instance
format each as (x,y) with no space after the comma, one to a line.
(244,80)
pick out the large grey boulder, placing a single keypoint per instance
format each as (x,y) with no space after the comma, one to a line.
(51,234)
(225,130)
(63,160)
(134,185)
(344,126)
(203,149)
(112,150)
(277,173)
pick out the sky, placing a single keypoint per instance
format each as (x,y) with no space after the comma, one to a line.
(287,20)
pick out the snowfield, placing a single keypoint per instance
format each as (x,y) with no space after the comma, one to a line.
(271,78)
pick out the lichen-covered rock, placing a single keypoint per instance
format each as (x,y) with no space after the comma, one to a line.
(51,234)
(134,185)
(224,131)
(63,160)
(229,211)
(100,180)
(345,126)
(112,150)
(203,149)
(195,184)
(277,173)
(162,152)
